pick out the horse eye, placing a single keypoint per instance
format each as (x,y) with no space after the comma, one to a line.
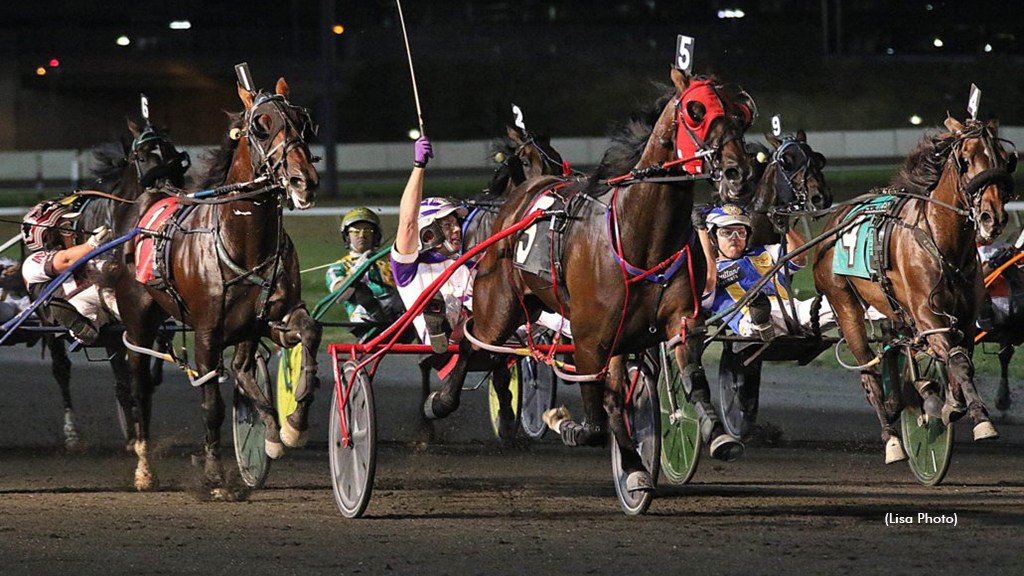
(696,111)
(259,127)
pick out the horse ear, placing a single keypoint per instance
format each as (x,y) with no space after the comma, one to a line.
(245,96)
(514,134)
(952,124)
(801,135)
(680,80)
(775,142)
(282,88)
(993,126)
(133,128)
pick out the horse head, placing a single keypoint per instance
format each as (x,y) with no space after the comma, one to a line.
(708,126)
(793,178)
(154,156)
(277,135)
(983,168)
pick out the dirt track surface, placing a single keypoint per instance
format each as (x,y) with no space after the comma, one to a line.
(815,504)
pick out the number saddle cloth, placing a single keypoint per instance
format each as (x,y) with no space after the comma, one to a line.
(863,250)
(152,252)
(538,249)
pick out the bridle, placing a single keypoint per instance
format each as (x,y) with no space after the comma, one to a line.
(788,172)
(270,160)
(973,189)
(174,167)
(691,133)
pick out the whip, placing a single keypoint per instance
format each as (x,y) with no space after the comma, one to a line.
(412,73)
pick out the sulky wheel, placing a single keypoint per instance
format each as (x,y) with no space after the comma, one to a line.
(928,442)
(738,391)
(249,429)
(353,465)
(538,390)
(680,427)
(493,404)
(289,369)
(644,423)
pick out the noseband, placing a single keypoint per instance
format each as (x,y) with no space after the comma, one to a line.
(279,112)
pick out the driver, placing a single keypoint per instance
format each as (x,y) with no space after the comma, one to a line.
(50,238)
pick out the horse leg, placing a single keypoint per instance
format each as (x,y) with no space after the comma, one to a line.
(298,327)
(1003,399)
(123,389)
(207,355)
(594,429)
(140,402)
(60,364)
(722,445)
(850,314)
(960,371)
(638,478)
(244,366)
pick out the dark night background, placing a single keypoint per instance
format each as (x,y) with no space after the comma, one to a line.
(575,66)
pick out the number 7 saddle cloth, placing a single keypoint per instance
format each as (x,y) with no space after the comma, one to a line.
(863,249)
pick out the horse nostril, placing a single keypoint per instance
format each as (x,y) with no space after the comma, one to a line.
(297,182)
(986,218)
(732,174)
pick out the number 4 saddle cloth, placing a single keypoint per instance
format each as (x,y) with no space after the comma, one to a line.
(863,249)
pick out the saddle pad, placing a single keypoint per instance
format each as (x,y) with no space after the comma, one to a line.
(152,221)
(854,250)
(532,249)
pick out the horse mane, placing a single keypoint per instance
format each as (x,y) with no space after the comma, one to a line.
(111,162)
(217,161)
(630,138)
(923,167)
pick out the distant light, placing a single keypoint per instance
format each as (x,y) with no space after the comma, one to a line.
(929,7)
(414,134)
(40,71)
(730,13)
(338,29)
(938,43)
(890,51)
(180,25)
(988,47)
(915,120)
(54,63)
(123,40)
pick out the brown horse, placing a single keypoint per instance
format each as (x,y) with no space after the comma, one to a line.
(234,274)
(792,181)
(610,317)
(935,284)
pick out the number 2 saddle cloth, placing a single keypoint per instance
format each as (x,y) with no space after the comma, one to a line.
(863,250)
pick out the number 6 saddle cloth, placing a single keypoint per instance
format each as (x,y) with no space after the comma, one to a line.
(863,249)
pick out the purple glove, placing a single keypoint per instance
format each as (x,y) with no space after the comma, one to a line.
(423,152)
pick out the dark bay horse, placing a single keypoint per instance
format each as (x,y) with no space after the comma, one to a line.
(962,179)
(146,157)
(650,224)
(234,274)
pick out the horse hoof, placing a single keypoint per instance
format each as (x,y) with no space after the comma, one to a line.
(985,431)
(220,495)
(292,437)
(726,447)
(639,482)
(555,416)
(433,408)
(894,451)
(274,450)
(1003,401)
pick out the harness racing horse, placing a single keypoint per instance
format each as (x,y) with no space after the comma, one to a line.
(792,181)
(233,274)
(958,180)
(123,169)
(616,237)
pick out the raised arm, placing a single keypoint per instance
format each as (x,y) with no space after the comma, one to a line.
(407,237)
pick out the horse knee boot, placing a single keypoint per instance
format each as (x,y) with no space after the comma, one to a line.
(434,316)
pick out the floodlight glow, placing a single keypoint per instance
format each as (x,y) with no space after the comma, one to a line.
(180,25)
(123,40)
(40,71)
(54,63)
(938,43)
(915,120)
(730,13)
(414,133)
(338,29)
(988,47)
